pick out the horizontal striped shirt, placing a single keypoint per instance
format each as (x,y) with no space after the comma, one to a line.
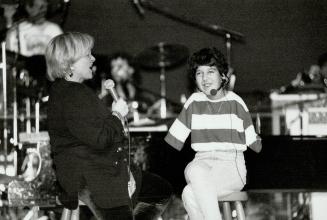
(224,124)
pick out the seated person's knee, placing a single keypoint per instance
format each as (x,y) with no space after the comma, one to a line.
(193,171)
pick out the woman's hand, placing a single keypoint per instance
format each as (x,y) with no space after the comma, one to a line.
(120,106)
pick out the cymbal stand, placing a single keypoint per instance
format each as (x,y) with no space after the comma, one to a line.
(3,66)
(28,115)
(163,106)
(27,101)
(15,118)
(15,106)
(37,116)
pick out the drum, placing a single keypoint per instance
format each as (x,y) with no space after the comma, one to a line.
(37,186)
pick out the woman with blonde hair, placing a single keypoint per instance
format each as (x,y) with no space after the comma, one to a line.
(86,138)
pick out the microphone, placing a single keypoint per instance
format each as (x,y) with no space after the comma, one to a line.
(138,7)
(214,92)
(110,85)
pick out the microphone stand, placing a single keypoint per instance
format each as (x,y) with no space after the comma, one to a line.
(210,28)
(214,29)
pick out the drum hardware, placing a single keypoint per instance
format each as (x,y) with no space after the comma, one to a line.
(25,81)
(162,56)
(32,164)
(136,115)
(28,115)
(3,66)
(36,183)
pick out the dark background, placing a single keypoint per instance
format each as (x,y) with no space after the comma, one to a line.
(282,37)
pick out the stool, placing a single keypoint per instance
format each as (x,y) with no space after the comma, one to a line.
(68,214)
(84,199)
(237,198)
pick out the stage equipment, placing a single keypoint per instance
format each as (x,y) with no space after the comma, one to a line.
(162,56)
(4,104)
(301,114)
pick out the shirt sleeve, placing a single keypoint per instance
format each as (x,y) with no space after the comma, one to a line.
(180,129)
(252,139)
(86,123)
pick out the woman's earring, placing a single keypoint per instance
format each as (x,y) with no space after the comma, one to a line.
(71,72)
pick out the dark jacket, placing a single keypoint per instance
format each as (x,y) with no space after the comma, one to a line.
(87,145)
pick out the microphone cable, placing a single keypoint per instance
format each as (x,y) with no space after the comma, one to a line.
(128,135)
(231,139)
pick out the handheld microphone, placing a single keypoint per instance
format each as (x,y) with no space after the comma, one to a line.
(110,85)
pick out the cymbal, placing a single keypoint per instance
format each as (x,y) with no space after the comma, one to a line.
(162,55)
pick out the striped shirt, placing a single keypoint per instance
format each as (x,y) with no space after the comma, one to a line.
(224,124)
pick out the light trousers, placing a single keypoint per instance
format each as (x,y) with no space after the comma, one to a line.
(210,175)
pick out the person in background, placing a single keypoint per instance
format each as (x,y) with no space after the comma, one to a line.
(119,67)
(28,33)
(221,129)
(87,141)
(125,73)
(31,36)
(312,80)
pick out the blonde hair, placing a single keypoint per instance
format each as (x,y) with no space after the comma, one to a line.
(64,50)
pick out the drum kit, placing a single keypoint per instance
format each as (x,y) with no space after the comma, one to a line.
(30,183)
(21,86)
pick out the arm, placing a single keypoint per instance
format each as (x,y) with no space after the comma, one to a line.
(87,123)
(180,129)
(252,139)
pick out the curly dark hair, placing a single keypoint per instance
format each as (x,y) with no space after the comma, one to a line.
(131,62)
(207,56)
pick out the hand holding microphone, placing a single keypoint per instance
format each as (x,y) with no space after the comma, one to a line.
(119,105)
